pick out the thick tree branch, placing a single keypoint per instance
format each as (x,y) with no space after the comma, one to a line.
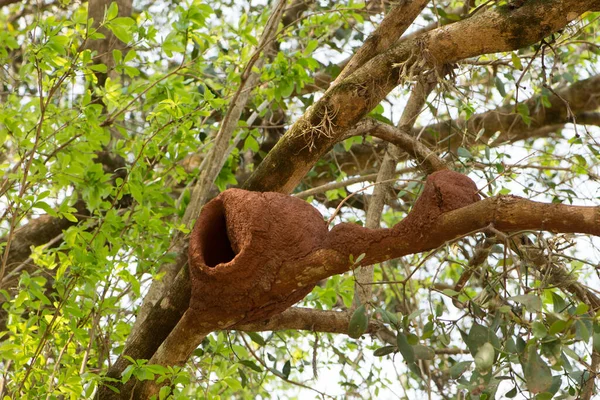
(494,30)
(308,319)
(322,79)
(387,33)
(581,97)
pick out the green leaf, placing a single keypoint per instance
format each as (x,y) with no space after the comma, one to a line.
(98,67)
(511,393)
(122,28)
(383,351)
(414,368)
(414,314)
(544,396)
(558,303)
(113,11)
(516,61)
(510,346)
(464,153)
(310,47)
(251,143)
(143,374)
(423,352)
(164,392)
(287,367)
(523,111)
(500,86)
(117,56)
(256,338)
(532,302)
(251,365)
(581,309)
(387,317)
(131,71)
(37,292)
(450,292)
(243,378)
(68,216)
(127,372)
(539,330)
(478,336)
(557,327)
(405,348)
(131,54)
(412,339)
(123,21)
(359,322)
(286,88)
(360,258)
(174,43)
(46,207)
(459,368)
(21,297)
(536,372)
(582,330)
(545,101)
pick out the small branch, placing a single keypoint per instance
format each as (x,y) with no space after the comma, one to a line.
(588,389)
(307,319)
(426,158)
(265,366)
(335,185)
(347,182)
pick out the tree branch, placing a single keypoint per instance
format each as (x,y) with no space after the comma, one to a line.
(395,23)
(582,96)
(308,319)
(495,30)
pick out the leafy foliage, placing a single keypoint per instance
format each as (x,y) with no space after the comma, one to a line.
(110,153)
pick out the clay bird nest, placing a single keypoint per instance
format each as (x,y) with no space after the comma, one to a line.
(252,255)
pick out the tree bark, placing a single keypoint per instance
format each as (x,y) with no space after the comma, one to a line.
(494,30)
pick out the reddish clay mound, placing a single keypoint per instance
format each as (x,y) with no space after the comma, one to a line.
(252,255)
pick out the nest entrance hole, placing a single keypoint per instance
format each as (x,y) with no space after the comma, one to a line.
(215,245)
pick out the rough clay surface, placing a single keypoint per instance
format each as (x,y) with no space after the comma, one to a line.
(242,239)
(264,230)
(444,191)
